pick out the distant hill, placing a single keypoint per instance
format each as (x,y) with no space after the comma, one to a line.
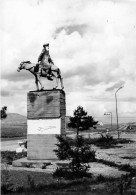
(14,118)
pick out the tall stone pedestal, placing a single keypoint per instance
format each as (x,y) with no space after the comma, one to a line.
(46,112)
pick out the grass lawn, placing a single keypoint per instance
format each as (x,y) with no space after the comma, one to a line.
(44,183)
(14,130)
(38,183)
(9,156)
(25,182)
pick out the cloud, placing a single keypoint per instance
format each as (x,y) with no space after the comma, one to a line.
(70,29)
(15,76)
(128,99)
(116,85)
(5,93)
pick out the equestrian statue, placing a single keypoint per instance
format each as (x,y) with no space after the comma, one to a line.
(43,68)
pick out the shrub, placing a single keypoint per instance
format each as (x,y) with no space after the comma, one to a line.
(105,139)
(79,154)
(7,185)
(102,141)
(69,174)
(9,156)
(64,148)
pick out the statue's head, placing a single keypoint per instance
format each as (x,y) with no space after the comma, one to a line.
(46,46)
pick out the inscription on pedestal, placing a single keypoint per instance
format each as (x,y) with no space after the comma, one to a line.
(44,126)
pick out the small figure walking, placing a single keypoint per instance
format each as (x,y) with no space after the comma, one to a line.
(107,133)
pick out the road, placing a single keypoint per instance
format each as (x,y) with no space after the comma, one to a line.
(10,145)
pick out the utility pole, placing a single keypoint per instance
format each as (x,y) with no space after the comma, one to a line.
(117,109)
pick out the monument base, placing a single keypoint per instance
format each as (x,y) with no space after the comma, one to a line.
(24,162)
(41,147)
(46,111)
(43,164)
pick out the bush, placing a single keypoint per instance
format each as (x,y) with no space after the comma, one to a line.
(102,141)
(7,185)
(64,148)
(69,174)
(105,139)
(79,153)
(9,156)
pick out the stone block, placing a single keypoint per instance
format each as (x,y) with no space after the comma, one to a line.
(46,112)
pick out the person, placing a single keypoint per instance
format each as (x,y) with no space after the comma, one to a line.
(107,132)
(45,61)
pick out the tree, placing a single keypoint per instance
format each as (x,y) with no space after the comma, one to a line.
(81,121)
(77,151)
(3,112)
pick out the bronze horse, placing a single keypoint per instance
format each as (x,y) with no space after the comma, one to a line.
(31,67)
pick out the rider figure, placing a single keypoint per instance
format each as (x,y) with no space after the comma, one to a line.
(45,61)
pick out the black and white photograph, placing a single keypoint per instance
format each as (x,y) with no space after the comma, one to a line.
(68,97)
